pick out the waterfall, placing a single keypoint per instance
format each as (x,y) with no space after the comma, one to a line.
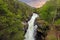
(31,28)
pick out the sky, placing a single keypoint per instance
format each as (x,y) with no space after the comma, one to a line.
(35,3)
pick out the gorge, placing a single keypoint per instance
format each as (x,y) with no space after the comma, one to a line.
(19,21)
(31,31)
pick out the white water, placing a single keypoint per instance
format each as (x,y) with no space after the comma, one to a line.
(31,28)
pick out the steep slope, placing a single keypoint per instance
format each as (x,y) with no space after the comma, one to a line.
(12,13)
(50,13)
(49,10)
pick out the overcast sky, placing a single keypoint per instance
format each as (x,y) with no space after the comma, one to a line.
(35,3)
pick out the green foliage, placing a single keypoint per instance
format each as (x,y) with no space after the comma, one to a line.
(57,22)
(47,11)
(50,13)
(52,37)
(12,13)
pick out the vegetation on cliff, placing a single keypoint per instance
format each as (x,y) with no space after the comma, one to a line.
(14,12)
(50,13)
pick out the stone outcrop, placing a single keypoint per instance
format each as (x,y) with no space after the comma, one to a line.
(42,26)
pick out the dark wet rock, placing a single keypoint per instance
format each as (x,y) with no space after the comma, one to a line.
(25,23)
(41,30)
(38,36)
(25,29)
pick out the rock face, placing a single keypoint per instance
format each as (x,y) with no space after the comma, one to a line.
(40,34)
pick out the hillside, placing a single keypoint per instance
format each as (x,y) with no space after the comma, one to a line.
(50,13)
(12,13)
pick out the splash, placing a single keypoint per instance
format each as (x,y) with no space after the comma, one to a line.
(31,28)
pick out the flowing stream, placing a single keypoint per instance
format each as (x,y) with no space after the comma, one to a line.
(31,31)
